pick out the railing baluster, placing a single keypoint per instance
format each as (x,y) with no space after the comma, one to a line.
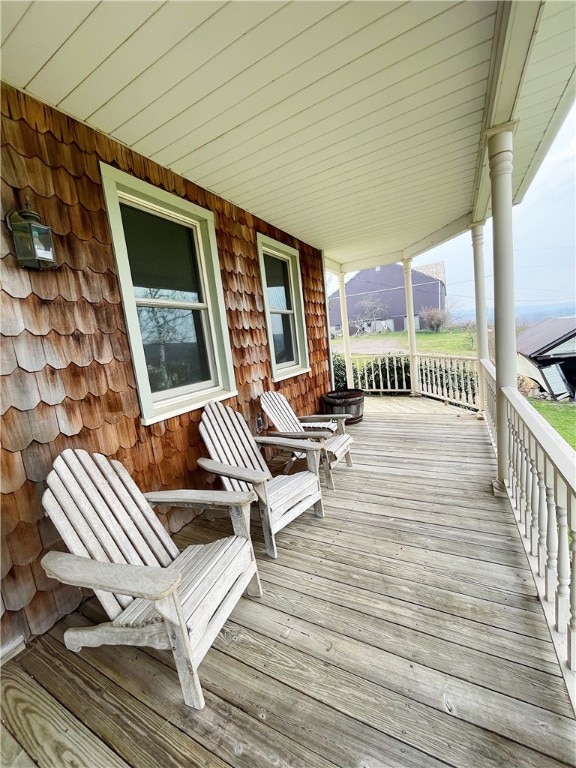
(551,574)
(441,378)
(542,517)
(511,445)
(521,473)
(526,480)
(563,589)
(424,375)
(572,622)
(425,389)
(534,493)
(458,383)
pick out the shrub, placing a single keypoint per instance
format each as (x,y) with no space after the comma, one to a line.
(434,319)
(386,373)
(339,367)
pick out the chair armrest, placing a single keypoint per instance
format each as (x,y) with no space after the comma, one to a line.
(308,435)
(145,581)
(326,417)
(205,499)
(294,445)
(339,418)
(237,473)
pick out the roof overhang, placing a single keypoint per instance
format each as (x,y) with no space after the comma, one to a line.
(357,127)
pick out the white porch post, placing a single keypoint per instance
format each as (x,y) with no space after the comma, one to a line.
(481,321)
(345,330)
(407,266)
(500,154)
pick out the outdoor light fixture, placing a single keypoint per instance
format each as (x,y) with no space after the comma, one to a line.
(32,240)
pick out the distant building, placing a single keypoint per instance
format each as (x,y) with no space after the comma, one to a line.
(376,300)
(547,354)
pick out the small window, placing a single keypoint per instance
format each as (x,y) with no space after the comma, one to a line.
(170,281)
(280,267)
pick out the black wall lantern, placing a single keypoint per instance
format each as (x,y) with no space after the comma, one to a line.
(32,240)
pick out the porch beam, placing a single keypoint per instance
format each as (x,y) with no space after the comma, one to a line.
(407,267)
(345,330)
(516,26)
(500,154)
(480,299)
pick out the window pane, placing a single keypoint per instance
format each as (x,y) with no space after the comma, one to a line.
(283,337)
(174,346)
(162,256)
(277,283)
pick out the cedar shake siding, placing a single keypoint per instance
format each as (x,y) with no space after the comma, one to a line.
(67,374)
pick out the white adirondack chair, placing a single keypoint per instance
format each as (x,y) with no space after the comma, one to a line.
(154,594)
(236,457)
(288,424)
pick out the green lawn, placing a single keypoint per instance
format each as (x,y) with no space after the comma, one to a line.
(561,416)
(455,341)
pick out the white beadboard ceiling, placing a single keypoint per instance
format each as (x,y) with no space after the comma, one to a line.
(354,126)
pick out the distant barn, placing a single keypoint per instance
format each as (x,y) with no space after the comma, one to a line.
(376,299)
(547,354)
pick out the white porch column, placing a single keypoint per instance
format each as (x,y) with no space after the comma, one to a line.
(481,321)
(345,330)
(500,154)
(407,266)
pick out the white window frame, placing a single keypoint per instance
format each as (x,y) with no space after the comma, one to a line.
(266,245)
(120,187)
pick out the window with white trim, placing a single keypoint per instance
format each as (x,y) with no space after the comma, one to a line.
(284,307)
(172,293)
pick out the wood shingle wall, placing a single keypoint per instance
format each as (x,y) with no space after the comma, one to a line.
(66,372)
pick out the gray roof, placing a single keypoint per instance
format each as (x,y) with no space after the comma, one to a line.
(545,335)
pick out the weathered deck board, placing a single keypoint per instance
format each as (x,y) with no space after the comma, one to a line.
(46,730)
(401,631)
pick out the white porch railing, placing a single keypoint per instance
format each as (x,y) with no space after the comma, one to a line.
(451,378)
(382,374)
(541,485)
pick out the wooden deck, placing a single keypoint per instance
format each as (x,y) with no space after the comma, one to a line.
(403,629)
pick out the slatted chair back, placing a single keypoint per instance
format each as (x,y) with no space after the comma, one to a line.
(280,412)
(101,513)
(228,439)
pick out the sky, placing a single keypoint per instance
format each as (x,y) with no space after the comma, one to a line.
(544,233)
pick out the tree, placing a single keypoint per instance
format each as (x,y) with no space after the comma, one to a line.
(368,310)
(434,319)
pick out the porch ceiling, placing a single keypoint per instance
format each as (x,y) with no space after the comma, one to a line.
(356,127)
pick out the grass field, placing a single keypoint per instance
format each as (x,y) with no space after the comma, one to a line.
(561,416)
(455,341)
